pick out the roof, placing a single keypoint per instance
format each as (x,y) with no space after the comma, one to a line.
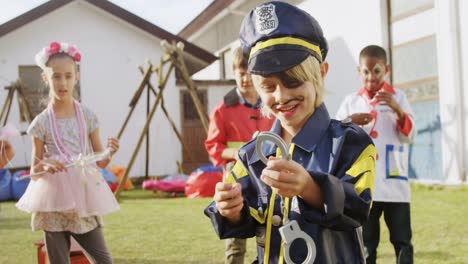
(219,9)
(204,17)
(196,57)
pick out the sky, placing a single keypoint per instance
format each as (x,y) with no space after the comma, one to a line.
(171,15)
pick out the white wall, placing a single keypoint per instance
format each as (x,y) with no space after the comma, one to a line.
(111,51)
(209,73)
(220,34)
(452,60)
(463,30)
(348,26)
(404,30)
(222,29)
(216,95)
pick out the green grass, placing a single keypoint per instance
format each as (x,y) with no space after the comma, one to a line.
(150,229)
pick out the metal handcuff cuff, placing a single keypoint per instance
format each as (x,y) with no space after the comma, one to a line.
(290,231)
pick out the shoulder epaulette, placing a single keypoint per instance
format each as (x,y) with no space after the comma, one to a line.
(248,148)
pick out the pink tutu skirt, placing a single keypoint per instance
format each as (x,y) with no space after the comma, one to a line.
(80,189)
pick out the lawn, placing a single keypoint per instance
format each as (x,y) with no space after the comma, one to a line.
(149,229)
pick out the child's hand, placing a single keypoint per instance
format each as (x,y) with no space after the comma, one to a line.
(52,166)
(387,98)
(5,144)
(287,177)
(361,119)
(229,201)
(113,145)
(5,148)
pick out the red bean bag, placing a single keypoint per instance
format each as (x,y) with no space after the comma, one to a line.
(202,181)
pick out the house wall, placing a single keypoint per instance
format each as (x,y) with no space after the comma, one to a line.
(111,51)
(463,24)
(224,27)
(415,70)
(221,34)
(216,95)
(452,37)
(348,27)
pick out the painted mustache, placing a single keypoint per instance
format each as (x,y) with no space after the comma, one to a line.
(298,99)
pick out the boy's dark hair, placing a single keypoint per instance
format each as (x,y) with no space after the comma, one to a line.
(239,60)
(373,51)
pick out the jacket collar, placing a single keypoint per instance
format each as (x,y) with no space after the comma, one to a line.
(307,138)
(233,97)
(385,87)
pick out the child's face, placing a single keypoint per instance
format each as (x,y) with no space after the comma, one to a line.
(61,76)
(292,104)
(373,71)
(243,80)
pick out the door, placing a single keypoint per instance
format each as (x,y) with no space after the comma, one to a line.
(193,133)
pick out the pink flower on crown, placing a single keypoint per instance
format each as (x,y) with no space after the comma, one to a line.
(77,57)
(53,48)
(72,51)
(56,47)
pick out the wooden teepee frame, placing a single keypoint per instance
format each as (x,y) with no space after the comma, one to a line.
(15,87)
(174,57)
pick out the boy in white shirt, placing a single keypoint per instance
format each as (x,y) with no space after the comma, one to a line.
(385,114)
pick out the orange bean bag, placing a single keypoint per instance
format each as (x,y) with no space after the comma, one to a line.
(119,172)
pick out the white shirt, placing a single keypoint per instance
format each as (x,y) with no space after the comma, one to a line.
(392,142)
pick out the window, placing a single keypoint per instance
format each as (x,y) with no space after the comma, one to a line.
(189,109)
(414,61)
(414,69)
(226,64)
(404,8)
(34,89)
(413,56)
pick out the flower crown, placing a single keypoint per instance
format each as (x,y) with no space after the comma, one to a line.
(57,47)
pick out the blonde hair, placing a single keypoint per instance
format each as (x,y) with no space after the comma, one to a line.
(308,71)
(239,61)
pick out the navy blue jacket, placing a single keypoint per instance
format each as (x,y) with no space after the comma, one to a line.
(340,157)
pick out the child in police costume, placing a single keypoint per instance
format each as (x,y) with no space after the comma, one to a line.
(326,185)
(233,123)
(386,115)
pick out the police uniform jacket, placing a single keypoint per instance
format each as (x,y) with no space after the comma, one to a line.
(340,158)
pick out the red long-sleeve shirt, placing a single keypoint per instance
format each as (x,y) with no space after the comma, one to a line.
(231,125)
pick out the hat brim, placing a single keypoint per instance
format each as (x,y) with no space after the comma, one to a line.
(270,61)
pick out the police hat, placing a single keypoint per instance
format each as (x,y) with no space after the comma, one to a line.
(277,36)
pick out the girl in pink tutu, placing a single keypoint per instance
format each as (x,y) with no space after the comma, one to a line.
(69,195)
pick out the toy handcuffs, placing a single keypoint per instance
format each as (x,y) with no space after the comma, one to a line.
(290,230)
